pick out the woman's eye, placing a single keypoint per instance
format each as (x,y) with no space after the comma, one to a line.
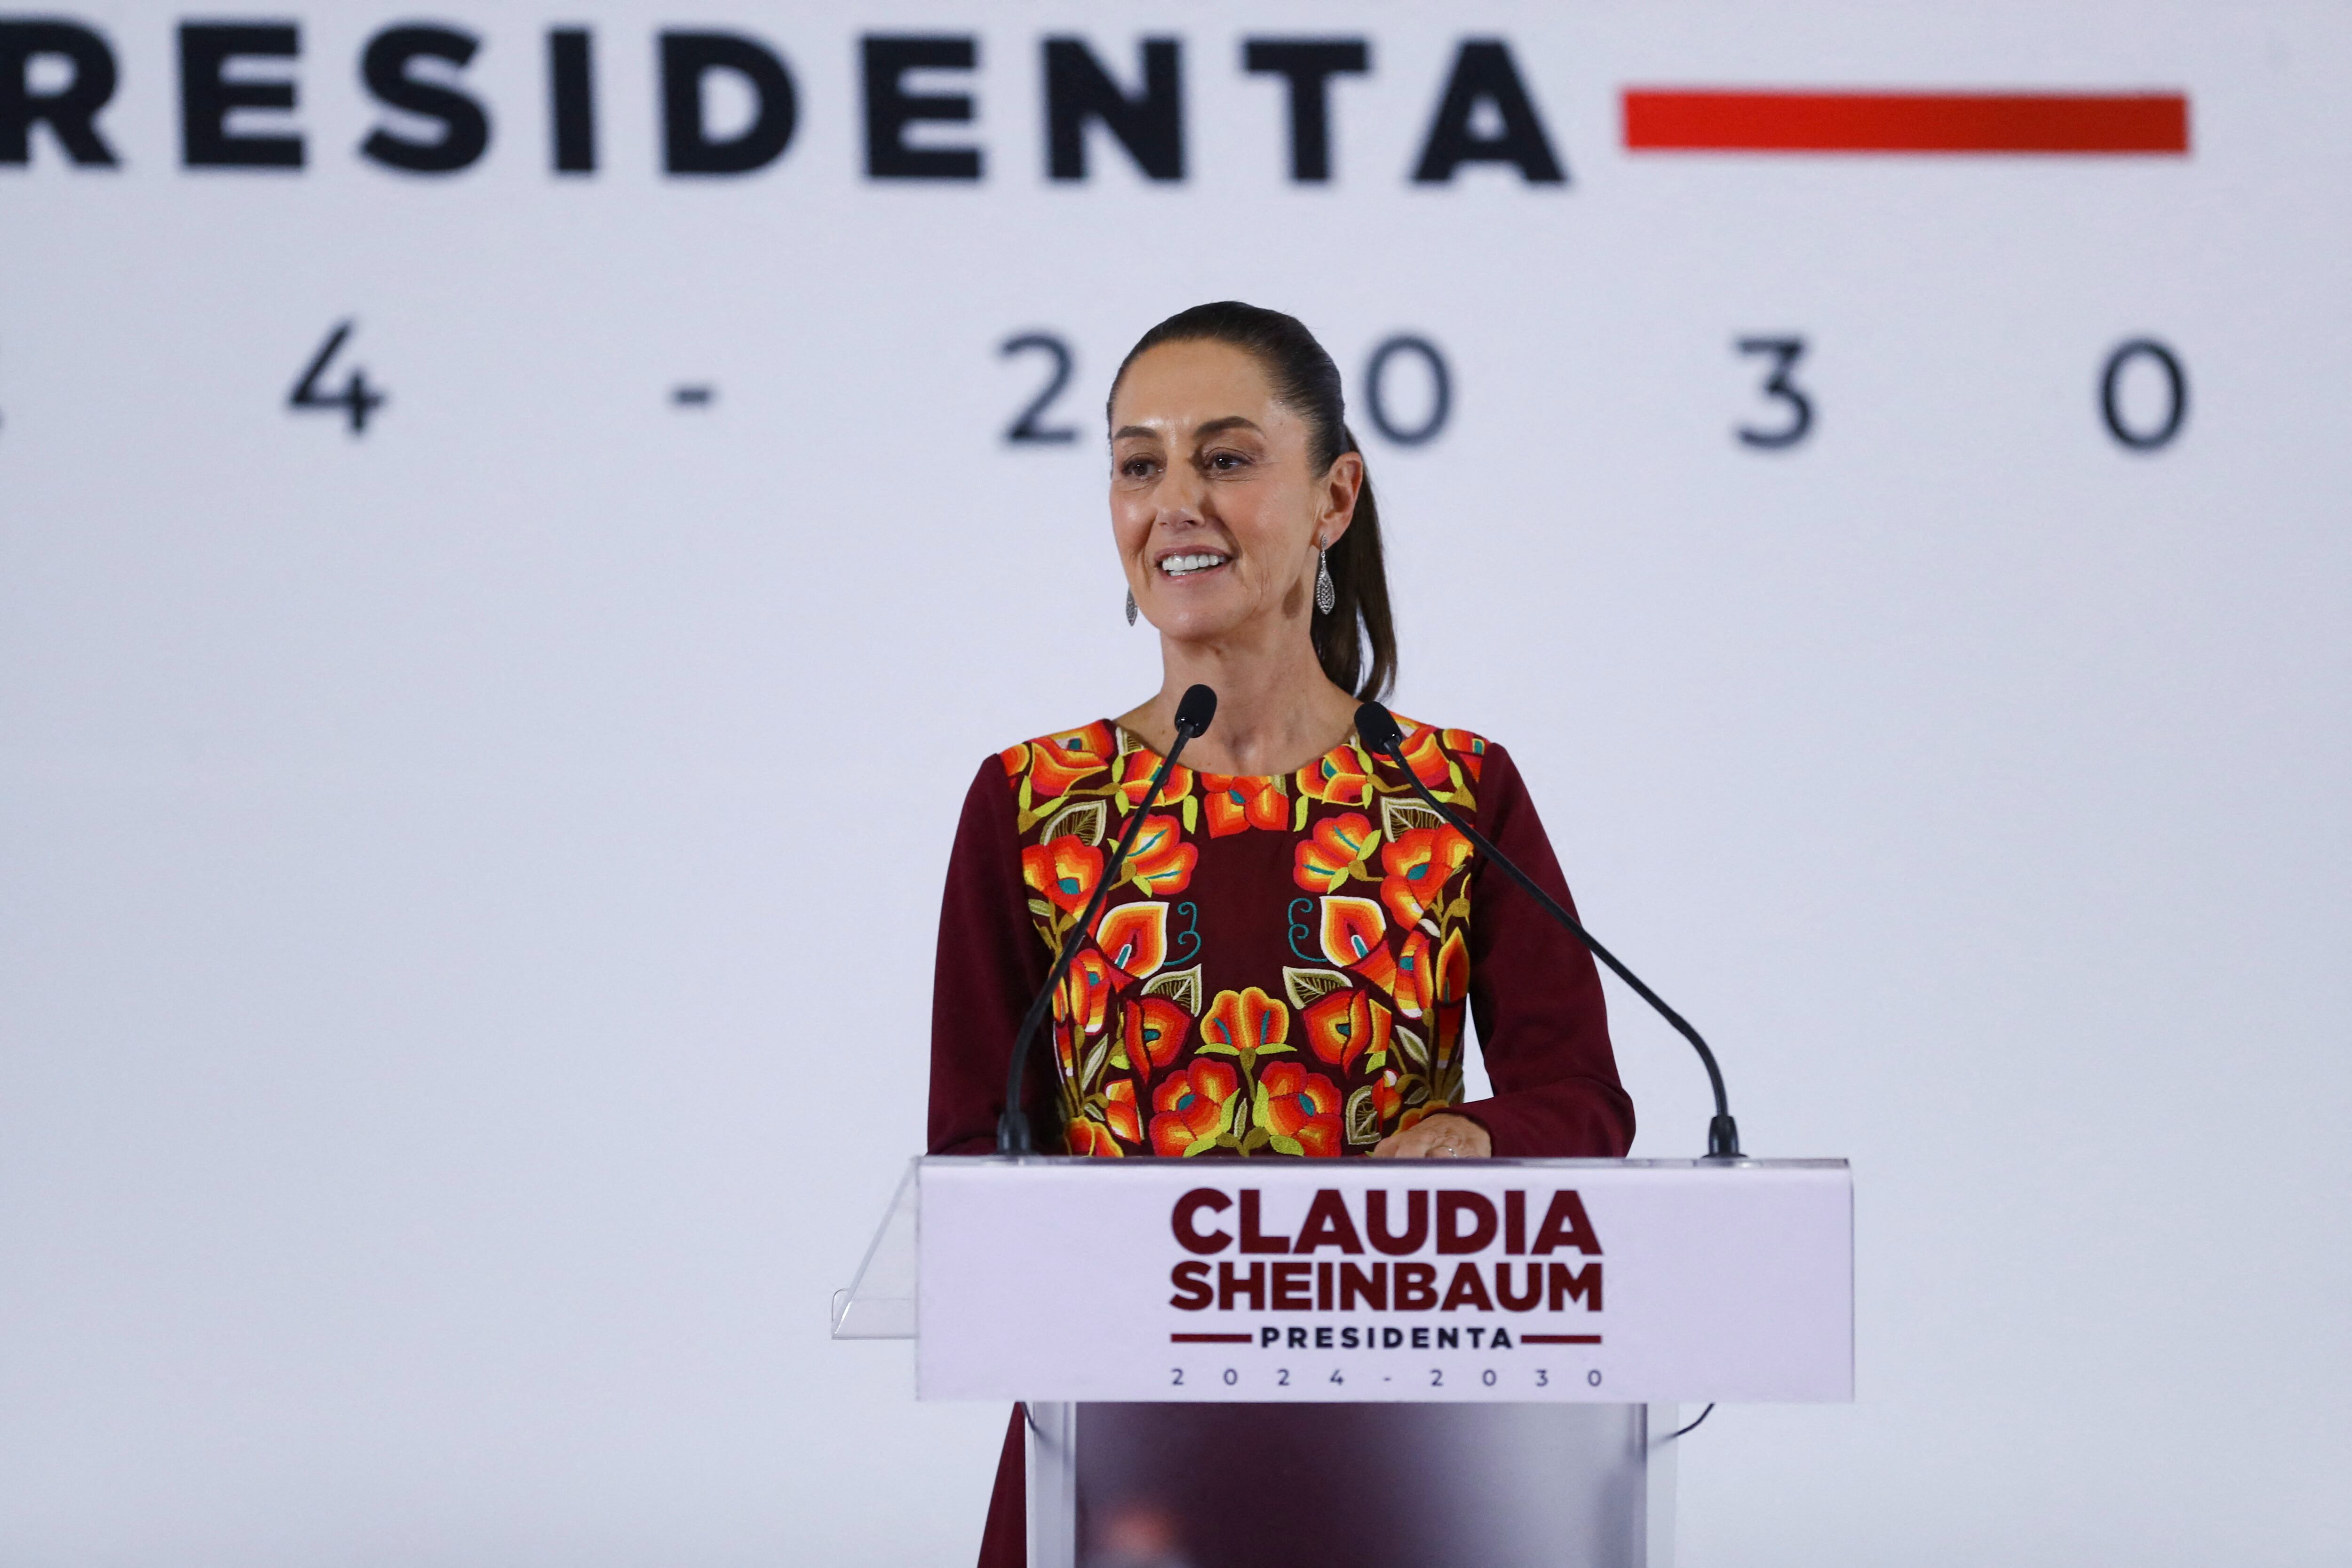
(1136,468)
(1225,462)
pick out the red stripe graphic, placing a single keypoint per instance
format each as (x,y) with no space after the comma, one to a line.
(1208,1339)
(1559,1338)
(1710,120)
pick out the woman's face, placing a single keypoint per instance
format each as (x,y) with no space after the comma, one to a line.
(1213,504)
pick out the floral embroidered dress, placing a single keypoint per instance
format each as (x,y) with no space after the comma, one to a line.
(1282,967)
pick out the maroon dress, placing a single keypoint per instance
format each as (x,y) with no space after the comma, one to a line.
(1281,969)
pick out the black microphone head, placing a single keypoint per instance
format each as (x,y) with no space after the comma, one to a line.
(1377,727)
(1193,713)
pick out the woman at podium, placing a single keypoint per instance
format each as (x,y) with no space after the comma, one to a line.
(1284,963)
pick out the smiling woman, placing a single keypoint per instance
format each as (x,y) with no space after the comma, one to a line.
(1260,359)
(1284,963)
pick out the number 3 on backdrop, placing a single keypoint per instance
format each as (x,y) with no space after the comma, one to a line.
(1796,420)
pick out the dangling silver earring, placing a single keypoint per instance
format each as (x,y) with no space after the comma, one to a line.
(1325,595)
(1130,606)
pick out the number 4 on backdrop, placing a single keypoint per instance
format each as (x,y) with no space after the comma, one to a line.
(357,399)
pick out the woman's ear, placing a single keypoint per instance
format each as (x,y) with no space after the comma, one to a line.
(1341,486)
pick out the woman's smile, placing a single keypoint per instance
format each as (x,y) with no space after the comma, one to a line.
(1193,563)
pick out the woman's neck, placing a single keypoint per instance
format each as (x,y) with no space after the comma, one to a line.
(1276,710)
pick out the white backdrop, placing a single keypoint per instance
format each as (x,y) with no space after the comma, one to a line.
(467,888)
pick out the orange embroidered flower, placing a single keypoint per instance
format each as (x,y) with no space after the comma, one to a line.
(1237,802)
(1085,991)
(1418,864)
(1119,1110)
(1453,968)
(1014,759)
(1416,977)
(1161,862)
(1469,748)
(1336,778)
(1066,870)
(1335,853)
(1087,1137)
(1192,1105)
(1154,1029)
(1385,1098)
(1245,1021)
(1294,1103)
(1344,1025)
(1352,929)
(1427,759)
(1352,932)
(1057,762)
(1434,1107)
(1135,770)
(1134,937)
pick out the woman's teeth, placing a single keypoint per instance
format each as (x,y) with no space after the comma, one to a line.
(1185,565)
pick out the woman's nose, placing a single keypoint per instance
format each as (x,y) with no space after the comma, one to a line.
(1181,496)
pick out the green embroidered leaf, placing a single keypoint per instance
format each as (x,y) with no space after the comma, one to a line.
(1285,1145)
(1092,1070)
(1304,987)
(1181,987)
(1190,812)
(1083,820)
(1403,814)
(1203,1145)
(1415,1050)
(1375,1061)
(1041,909)
(1299,818)
(1275,1048)
(1363,1118)
(1217,1048)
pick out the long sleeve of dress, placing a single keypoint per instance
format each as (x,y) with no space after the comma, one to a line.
(1535,993)
(991,964)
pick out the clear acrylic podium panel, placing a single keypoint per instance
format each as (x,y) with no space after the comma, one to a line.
(1371,1485)
(879,1304)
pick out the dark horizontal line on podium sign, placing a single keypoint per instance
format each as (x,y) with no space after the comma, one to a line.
(1720,120)
(1559,1338)
(1208,1339)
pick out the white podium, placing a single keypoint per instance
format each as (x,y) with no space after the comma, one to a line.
(1230,1363)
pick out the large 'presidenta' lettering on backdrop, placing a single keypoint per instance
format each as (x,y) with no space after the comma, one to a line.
(241,85)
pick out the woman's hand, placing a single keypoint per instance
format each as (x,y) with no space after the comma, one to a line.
(1437,1138)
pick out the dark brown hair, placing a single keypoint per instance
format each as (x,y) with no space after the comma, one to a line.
(1306,383)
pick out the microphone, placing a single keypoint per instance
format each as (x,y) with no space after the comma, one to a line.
(1376,727)
(1198,706)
